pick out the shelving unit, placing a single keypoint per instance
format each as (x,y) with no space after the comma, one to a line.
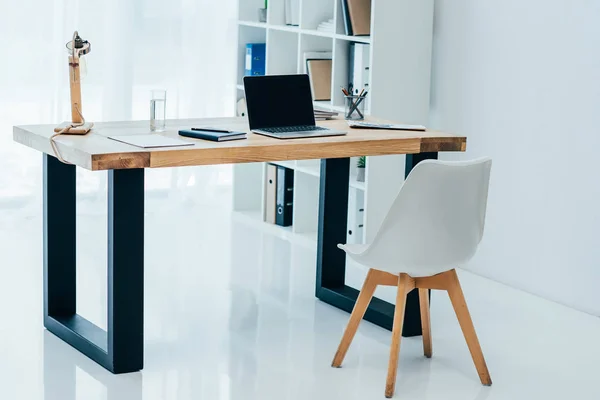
(400,63)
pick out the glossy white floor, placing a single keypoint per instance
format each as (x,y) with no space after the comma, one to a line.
(230,314)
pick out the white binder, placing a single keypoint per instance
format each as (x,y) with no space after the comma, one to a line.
(360,58)
(292,12)
(356,216)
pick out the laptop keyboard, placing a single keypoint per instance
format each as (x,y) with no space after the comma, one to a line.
(300,128)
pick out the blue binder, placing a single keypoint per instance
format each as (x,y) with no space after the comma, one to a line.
(255,59)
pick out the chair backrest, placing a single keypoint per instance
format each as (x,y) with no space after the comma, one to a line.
(436,222)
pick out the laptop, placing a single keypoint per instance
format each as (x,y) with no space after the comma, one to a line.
(281,106)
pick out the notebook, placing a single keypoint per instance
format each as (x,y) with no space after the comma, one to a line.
(319,72)
(360,17)
(215,136)
(150,140)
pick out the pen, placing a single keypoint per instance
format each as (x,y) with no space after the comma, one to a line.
(354,107)
(357,102)
(212,130)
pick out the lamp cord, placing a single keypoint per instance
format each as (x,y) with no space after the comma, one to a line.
(66,130)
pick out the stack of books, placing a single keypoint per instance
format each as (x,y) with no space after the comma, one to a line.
(323,115)
(326,26)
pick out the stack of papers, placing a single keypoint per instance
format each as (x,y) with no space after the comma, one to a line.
(322,115)
(326,26)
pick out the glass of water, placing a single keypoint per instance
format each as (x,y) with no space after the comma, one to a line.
(158,106)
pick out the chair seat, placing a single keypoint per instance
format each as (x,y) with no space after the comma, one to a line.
(357,252)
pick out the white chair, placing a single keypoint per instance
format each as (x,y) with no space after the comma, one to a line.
(434,225)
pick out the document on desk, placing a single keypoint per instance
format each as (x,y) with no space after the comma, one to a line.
(376,125)
(150,140)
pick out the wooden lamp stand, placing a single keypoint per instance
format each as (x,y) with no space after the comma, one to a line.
(77,48)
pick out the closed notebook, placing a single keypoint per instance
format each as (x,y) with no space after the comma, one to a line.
(214,136)
(319,72)
(360,17)
(315,55)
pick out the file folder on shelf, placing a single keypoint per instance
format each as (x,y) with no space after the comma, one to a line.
(346,18)
(360,16)
(271,194)
(292,12)
(359,68)
(315,55)
(255,59)
(319,72)
(285,196)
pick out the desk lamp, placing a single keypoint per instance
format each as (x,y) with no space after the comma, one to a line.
(77,48)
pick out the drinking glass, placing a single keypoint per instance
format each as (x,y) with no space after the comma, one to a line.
(158,106)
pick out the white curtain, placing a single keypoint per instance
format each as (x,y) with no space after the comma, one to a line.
(184,46)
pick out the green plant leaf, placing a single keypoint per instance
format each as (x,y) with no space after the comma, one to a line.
(362,162)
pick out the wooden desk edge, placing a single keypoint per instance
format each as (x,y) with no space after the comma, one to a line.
(42,144)
(231,155)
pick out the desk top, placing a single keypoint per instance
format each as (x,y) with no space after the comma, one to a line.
(95,151)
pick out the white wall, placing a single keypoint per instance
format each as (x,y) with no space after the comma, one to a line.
(521,79)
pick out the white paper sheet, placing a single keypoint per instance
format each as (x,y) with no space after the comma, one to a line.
(150,140)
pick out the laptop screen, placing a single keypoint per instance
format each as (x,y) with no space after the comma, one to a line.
(278,100)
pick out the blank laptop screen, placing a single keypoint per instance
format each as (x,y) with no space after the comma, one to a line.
(278,100)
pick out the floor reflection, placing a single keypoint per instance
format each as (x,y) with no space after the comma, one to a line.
(69,375)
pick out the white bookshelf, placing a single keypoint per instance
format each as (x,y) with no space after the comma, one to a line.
(400,65)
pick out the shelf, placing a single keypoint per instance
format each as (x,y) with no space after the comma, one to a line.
(285,28)
(360,39)
(311,32)
(253,24)
(356,184)
(314,32)
(315,170)
(286,164)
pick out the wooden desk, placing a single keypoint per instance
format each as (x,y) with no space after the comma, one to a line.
(120,349)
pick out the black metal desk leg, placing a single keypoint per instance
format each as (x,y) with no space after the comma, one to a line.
(120,349)
(412,316)
(331,261)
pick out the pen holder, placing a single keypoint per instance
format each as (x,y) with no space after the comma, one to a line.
(354,107)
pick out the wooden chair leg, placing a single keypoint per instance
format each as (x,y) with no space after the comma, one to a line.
(466,324)
(362,302)
(403,289)
(425,321)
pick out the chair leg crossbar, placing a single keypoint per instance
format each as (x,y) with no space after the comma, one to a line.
(447,281)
